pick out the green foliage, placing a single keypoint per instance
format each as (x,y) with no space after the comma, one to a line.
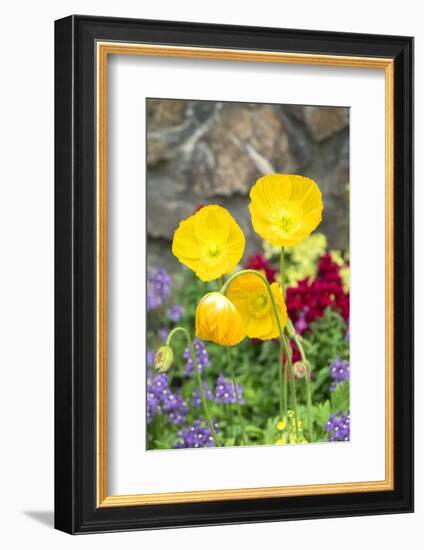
(340,398)
(323,344)
(338,401)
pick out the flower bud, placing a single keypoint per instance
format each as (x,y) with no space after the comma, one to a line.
(299,370)
(218,320)
(164,358)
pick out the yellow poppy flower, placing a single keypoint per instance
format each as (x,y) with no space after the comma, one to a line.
(218,320)
(250,296)
(285,209)
(210,242)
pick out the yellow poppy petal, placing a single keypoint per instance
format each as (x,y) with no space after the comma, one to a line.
(285,209)
(260,328)
(183,244)
(251,297)
(210,242)
(212,222)
(270,191)
(218,320)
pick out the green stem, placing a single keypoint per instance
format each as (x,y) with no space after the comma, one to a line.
(285,378)
(199,377)
(307,383)
(292,384)
(283,292)
(231,415)
(282,274)
(282,381)
(277,317)
(233,378)
(287,345)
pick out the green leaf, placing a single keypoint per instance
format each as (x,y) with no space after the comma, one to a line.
(340,397)
(322,413)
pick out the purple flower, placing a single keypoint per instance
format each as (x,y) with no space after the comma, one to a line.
(195,436)
(160,282)
(197,398)
(175,313)
(163,333)
(153,301)
(338,427)
(160,398)
(174,405)
(152,402)
(224,391)
(158,288)
(150,357)
(339,372)
(160,384)
(202,357)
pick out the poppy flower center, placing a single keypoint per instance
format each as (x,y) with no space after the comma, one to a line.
(284,221)
(259,305)
(212,252)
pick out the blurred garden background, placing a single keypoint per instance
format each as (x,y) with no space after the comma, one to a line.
(200,153)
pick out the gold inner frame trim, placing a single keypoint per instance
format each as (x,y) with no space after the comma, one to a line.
(104,49)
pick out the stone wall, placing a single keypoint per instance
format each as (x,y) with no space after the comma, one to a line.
(201,152)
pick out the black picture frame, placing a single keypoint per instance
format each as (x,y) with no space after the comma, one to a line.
(76,510)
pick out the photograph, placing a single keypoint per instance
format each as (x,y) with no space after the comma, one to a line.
(247,292)
(209,293)
(233,235)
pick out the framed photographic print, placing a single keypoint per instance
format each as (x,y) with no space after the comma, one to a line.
(234,274)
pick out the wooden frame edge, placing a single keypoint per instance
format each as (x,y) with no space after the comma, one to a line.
(244,494)
(101,269)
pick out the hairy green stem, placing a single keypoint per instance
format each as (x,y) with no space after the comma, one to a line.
(277,317)
(231,415)
(289,361)
(199,377)
(292,384)
(285,388)
(283,292)
(282,382)
(233,378)
(307,383)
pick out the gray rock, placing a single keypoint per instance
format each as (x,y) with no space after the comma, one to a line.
(323,122)
(163,113)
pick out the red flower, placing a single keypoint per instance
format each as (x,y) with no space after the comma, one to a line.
(260,263)
(308,300)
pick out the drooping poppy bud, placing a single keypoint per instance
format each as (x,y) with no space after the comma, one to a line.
(218,320)
(164,358)
(299,370)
